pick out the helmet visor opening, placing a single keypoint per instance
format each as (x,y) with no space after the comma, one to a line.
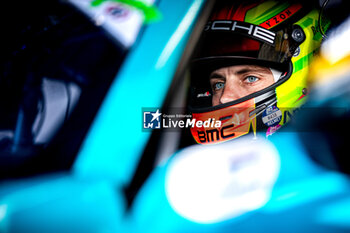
(232,83)
(222,52)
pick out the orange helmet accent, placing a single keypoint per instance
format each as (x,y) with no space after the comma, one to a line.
(235,122)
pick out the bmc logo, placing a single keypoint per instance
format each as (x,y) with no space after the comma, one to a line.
(247,29)
(215,134)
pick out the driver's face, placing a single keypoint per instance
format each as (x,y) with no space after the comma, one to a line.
(234,82)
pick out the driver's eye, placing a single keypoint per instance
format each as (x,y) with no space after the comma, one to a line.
(218,86)
(251,79)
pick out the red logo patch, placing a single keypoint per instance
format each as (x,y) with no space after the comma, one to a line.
(280,17)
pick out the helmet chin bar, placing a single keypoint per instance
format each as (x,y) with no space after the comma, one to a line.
(236,120)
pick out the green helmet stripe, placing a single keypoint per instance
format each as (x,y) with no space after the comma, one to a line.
(302,62)
(307,22)
(251,16)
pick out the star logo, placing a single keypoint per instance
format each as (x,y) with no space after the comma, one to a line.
(156,115)
(151,120)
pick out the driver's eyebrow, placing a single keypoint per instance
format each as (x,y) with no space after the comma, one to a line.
(242,71)
(253,69)
(216,75)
